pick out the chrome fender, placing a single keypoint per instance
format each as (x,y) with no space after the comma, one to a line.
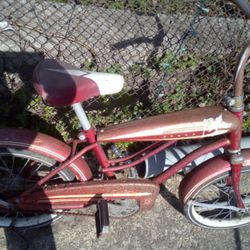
(44,145)
(205,172)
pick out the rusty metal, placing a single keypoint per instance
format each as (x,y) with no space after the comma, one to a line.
(78,195)
(196,123)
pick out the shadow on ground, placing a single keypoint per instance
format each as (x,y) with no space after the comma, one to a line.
(15,94)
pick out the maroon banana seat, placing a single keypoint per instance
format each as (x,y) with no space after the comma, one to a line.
(61,84)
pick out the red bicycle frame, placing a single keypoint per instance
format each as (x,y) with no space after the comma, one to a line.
(232,143)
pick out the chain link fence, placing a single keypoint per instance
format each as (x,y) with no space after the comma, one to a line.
(173,54)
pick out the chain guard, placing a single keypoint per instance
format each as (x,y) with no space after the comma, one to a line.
(79,195)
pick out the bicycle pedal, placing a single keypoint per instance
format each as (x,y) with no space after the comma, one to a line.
(102,218)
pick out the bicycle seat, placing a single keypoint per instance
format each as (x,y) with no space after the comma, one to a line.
(61,84)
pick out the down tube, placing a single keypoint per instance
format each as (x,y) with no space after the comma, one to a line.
(189,158)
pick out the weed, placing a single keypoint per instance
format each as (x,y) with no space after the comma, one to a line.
(115,68)
(140,69)
(89,66)
(246,124)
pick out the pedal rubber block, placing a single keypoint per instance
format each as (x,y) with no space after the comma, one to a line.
(102,218)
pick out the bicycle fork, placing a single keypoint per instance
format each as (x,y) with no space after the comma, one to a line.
(236,158)
(235,182)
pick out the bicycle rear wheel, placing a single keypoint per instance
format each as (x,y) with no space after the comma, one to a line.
(19,170)
(212,204)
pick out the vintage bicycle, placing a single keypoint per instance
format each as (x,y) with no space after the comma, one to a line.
(42,177)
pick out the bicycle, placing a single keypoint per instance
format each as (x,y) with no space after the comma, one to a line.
(41,176)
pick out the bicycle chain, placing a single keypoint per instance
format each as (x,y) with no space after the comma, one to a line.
(68,213)
(73,213)
(63,213)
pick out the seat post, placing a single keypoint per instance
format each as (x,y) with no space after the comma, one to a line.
(80,113)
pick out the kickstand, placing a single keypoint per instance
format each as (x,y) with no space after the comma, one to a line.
(102,218)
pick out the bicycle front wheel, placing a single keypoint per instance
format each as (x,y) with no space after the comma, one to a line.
(212,204)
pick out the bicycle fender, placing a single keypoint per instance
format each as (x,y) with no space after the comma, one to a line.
(205,172)
(45,145)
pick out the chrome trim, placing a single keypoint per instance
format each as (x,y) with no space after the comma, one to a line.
(83,119)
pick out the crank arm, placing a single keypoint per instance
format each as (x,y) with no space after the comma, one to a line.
(222,205)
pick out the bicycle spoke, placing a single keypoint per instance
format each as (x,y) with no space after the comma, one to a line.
(4,169)
(12,164)
(5,215)
(221,205)
(217,215)
(23,167)
(19,173)
(231,214)
(21,214)
(36,170)
(227,215)
(3,162)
